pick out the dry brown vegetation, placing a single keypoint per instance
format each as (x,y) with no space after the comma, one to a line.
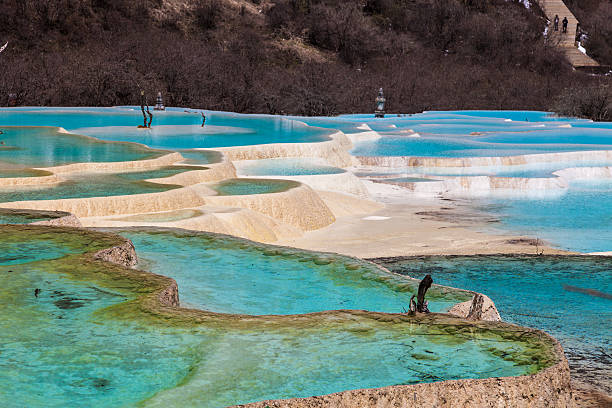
(225,55)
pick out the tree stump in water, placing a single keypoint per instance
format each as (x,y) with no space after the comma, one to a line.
(423,286)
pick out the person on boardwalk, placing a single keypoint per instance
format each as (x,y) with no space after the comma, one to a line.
(564,24)
(556,22)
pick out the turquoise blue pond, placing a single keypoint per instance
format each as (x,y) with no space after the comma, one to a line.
(172,129)
(231,275)
(482,133)
(435,146)
(88,185)
(65,347)
(537,292)
(45,147)
(578,220)
(287,167)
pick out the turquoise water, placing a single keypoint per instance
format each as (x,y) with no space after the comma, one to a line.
(66,347)
(88,185)
(533,291)
(287,167)
(172,129)
(578,220)
(435,146)
(56,352)
(288,363)
(45,147)
(37,249)
(231,275)
(201,156)
(481,134)
(253,186)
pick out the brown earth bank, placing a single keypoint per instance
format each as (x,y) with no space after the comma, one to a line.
(309,57)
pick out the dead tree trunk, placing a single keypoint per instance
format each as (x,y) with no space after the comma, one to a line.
(150,117)
(423,286)
(142,108)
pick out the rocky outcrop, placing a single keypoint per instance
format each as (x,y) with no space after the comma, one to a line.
(124,254)
(170,295)
(481,307)
(545,389)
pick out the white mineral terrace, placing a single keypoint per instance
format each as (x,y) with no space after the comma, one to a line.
(334,212)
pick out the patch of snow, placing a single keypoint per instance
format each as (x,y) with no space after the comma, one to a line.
(375,218)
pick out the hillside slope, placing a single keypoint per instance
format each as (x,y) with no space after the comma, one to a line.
(310,57)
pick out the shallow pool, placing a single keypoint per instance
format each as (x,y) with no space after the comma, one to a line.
(579,220)
(87,185)
(46,146)
(232,275)
(482,134)
(541,292)
(172,129)
(287,167)
(248,186)
(84,340)
(12,216)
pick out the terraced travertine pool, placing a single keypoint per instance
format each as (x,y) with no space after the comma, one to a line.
(172,129)
(289,166)
(579,220)
(232,275)
(89,337)
(11,216)
(46,147)
(74,343)
(569,297)
(85,185)
(249,186)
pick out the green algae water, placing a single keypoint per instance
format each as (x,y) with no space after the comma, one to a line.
(12,216)
(541,292)
(253,186)
(84,342)
(87,185)
(232,275)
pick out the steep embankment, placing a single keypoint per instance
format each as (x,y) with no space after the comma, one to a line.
(309,57)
